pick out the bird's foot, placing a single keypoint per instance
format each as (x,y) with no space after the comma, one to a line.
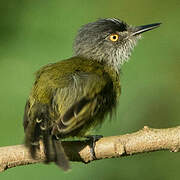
(93,139)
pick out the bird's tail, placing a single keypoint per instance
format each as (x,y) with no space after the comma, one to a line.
(60,157)
(36,129)
(53,149)
(55,152)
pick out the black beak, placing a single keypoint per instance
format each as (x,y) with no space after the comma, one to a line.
(142,29)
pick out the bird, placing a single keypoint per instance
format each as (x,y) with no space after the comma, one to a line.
(72,96)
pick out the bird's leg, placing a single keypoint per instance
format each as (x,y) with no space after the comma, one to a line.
(93,139)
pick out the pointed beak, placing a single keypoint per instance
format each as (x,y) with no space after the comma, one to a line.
(141,29)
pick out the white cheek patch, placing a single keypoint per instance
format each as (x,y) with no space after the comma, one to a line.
(121,54)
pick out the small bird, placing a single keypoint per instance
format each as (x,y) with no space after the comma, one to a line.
(72,96)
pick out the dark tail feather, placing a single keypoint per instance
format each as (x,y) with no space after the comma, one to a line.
(55,152)
(32,138)
(60,159)
(52,147)
(47,141)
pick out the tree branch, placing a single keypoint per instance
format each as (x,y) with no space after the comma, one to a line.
(145,140)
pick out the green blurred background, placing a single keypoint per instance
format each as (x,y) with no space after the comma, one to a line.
(36,32)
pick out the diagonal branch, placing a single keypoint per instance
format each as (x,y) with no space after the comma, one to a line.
(145,140)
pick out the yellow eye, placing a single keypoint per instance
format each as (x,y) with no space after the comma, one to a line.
(114,37)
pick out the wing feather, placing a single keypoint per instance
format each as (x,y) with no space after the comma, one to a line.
(80,105)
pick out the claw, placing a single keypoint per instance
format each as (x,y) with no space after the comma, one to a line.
(93,139)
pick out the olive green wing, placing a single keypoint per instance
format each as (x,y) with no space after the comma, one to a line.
(77,104)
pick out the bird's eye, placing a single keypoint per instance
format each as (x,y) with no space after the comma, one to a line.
(114,37)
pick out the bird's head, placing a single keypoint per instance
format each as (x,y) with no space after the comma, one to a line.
(108,41)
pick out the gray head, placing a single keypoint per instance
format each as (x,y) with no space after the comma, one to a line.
(108,41)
